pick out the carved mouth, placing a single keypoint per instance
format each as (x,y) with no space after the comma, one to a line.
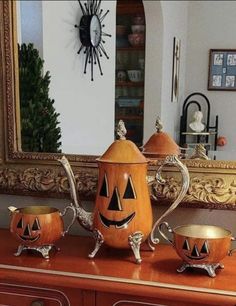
(28,238)
(196,258)
(118,224)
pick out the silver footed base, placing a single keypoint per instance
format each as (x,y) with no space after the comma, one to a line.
(210,268)
(43,250)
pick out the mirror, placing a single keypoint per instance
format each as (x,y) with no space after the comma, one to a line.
(63,74)
(212,182)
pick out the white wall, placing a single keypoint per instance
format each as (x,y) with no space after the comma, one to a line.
(211,25)
(86,108)
(153,66)
(164,21)
(174,25)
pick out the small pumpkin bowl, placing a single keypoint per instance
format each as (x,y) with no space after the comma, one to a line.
(199,245)
(38,226)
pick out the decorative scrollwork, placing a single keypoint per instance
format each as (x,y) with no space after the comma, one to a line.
(207,191)
(35,181)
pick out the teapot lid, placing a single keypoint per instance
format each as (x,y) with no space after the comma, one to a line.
(122,150)
(160,144)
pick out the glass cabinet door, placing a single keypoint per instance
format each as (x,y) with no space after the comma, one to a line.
(130,67)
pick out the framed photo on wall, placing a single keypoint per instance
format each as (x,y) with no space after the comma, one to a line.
(222,69)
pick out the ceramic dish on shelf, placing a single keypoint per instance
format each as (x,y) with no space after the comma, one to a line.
(137,28)
(128,101)
(138,20)
(121,30)
(121,75)
(136,39)
(135,75)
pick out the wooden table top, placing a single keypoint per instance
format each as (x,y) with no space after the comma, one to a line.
(158,268)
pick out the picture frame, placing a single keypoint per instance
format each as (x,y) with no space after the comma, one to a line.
(222,69)
(175,70)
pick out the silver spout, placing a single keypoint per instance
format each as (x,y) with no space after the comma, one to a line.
(85,218)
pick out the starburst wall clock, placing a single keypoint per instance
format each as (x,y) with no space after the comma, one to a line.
(91,34)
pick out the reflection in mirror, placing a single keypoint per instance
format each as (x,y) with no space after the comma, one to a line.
(213,32)
(38,173)
(70,111)
(73,103)
(197,129)
(40,130)
(195,46)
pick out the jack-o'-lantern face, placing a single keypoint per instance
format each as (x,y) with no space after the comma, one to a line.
(115,203)
(28,231)
(122,205)
(197,252)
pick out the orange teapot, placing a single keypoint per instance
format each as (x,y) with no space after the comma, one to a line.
(122,216)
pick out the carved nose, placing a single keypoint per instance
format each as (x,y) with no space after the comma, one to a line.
(27,231)
(195,252)
(115,201)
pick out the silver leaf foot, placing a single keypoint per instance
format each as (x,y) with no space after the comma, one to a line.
(19,250)
(210,268)
(98,242)
(43,250)
(135,241)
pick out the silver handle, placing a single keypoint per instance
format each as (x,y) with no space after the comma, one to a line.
(37,303)
(169,229)
(234,249)
(73,208)
(174,161)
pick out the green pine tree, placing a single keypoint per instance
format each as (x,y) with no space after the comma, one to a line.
(39,120)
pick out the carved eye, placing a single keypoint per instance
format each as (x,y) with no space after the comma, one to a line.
(129,191)
(104,189)
(20,223)
(186,245)
(205,248)
(36,225)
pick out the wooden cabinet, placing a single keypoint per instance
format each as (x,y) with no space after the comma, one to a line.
(104,299)
(130,63)
(112,278)
(20,295)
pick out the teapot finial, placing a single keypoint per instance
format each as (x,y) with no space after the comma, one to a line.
(199,152)
(158,124)
(121,129)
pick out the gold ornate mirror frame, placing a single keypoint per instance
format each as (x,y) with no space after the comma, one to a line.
(212,185)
